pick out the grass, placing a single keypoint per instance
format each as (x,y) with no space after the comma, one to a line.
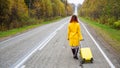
(15,31)
(111,35)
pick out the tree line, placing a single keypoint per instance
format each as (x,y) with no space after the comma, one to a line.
(19,13)
(103,11)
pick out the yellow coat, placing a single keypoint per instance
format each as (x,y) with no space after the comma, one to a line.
(74,34)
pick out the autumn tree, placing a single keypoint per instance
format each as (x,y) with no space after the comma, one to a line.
(103,11)
(4,14)
(69,9)
(19,13)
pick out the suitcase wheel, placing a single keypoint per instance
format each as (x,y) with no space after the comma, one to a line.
(91,60)
(83,61)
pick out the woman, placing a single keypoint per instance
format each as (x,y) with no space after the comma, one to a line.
(74,35)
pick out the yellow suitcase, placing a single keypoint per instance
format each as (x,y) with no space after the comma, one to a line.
(86,55)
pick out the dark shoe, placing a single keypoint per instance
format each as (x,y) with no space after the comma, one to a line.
(75,57)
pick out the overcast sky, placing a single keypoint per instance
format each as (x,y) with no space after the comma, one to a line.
(75,1)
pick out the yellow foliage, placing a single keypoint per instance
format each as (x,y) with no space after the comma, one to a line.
(20,6)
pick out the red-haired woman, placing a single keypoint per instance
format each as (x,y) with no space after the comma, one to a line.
(74,35)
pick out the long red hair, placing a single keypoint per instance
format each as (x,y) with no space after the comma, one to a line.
(74,19)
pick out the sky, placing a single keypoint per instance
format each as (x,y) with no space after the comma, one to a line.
(75,1)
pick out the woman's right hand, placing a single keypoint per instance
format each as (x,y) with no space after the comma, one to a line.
(68,39)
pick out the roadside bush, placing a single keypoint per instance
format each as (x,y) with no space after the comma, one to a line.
(117,24)
(111,20)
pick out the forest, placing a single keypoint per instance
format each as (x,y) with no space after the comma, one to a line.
(19,13)
(102,11)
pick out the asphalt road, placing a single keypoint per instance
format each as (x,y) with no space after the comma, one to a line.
(47,47)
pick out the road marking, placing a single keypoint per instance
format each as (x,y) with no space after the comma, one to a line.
(105,56)
(41,45)
(47,40)
(12,38)
(18,36)
(22,66)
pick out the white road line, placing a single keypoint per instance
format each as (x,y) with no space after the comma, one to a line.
(105,56)
(50,37)
(47,40)
(22,66)
(41,45)
(12,38)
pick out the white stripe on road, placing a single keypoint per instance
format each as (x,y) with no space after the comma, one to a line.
(22,66)
(105,56)
(47,40)
(20,62)
(41,45)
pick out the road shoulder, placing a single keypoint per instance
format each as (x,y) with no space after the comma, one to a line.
(111,53)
